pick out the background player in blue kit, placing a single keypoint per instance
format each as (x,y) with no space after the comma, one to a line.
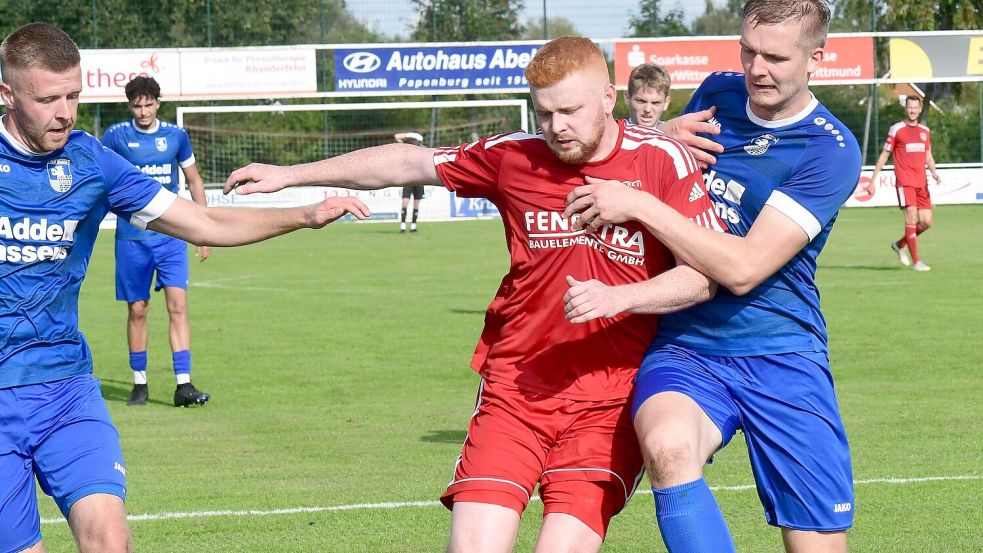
(754,358)
(157,148)
(56,185)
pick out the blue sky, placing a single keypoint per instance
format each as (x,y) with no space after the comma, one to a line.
(607,19)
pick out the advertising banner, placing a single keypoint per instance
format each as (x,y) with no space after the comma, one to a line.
(846,60)
(200,73)
(958,186)
(464,68)
(926,58)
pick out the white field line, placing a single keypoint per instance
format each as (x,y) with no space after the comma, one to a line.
(404,504)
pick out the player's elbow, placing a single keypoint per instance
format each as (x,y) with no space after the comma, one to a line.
(741,280)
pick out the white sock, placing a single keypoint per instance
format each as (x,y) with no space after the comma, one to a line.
(139,377)
(183,378)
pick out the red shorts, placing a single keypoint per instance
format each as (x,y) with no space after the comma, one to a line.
(583,454)
(914,196)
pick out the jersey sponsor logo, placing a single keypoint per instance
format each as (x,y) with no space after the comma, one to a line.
(60,174)
(760,144)
(133,144)
(696,193)
(842,508)
(161,142)
(25,229)
(551,230)
(729,190)
(160,173)
(913,147)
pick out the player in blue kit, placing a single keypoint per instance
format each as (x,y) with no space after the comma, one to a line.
(56,185)
(755,358)
(157,148)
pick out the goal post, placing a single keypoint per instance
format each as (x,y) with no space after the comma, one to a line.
(226,137)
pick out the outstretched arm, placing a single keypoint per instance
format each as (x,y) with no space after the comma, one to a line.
(366,169)
(739,263)
(235,226)
(674,290)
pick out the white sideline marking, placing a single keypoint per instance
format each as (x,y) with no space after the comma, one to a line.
(400,505)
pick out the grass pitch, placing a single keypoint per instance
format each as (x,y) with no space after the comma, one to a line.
(338,365)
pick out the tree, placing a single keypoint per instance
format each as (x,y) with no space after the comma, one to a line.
(652,22)
(555,27)
(467,20)
(719,21)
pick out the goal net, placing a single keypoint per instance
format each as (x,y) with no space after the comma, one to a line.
(226,137)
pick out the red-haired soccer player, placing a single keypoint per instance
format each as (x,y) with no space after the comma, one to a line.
(553,403)
(911,143)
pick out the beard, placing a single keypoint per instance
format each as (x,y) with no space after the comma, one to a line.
(585,149)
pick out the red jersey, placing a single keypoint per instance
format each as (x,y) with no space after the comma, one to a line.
(910,144)
(527,342)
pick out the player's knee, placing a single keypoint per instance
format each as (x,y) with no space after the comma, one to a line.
(138,310)
(116,540)
(670,457)
(177,309)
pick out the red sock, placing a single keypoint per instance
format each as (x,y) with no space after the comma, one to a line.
(911,238)
(920,228)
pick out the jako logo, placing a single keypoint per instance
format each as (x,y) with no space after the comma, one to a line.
(842,508)
(4,168)
(361,62)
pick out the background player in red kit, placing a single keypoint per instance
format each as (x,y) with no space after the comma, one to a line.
(911,143)
(553,400)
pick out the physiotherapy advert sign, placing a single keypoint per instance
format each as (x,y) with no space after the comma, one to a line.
(464,68)
(846,59)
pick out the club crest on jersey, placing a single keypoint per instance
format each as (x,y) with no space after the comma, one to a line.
(161,142)
(760,144)
(60,174)
(923,136)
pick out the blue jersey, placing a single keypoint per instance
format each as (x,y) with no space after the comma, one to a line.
(805,166)
(158,153)
(50,208)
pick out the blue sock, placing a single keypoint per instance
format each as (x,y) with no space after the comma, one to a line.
(182,365)
(690,519)
(138,360)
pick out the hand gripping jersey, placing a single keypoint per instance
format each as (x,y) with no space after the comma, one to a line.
(50,209)
(157,153)
(806,167)
(910,145)
(526,341)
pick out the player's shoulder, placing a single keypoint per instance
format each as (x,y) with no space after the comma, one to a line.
(923,127)
(118,127)
(494,144)
(171,128)
(896,127)
(722,81)
(648,141)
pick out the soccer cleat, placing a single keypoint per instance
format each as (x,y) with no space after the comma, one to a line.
(402,227)
(186,395)
(921,267)
(902,255)
(413,227)
(139,395)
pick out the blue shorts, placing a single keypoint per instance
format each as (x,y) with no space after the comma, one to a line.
(136,261)
(786,406)
(59,432)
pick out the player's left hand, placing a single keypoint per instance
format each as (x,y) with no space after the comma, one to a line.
(257,177)
(332,209)
(938,179)
(685,128)
(202,252)
(601,202)
(589,300)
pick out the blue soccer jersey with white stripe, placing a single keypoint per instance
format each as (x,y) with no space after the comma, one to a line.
(50,208)
(157,152)
(805,166)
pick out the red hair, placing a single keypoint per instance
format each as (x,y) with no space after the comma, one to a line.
(562,56)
